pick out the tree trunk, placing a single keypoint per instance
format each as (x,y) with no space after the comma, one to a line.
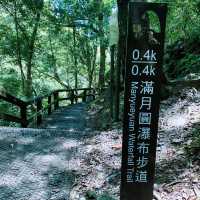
(102,66)
(18,48)
(75,61)
(119,72)
(101,83)
(55,76)
(112,68)
(93,66)
(90,58)
(29,85)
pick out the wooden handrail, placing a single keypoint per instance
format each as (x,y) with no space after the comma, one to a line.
(10,118)
(11,99)
(52,102)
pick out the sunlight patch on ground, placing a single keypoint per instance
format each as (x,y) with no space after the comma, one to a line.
(177,121)
(68,144)
(25,141)
(47,161)
(179,114)
(74,164)
(9,180)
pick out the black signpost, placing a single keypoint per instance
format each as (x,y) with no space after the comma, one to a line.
(142,98)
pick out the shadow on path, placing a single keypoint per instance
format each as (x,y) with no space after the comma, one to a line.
(70,118)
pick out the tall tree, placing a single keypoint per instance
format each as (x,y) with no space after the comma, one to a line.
(26,16)
(101,83)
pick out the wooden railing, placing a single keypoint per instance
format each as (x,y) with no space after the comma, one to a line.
(31,112)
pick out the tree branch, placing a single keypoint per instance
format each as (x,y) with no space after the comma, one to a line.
(54,78)
(23,30)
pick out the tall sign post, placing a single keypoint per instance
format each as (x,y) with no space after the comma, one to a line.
(141,103)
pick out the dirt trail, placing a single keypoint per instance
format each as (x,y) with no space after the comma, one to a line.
(177,176)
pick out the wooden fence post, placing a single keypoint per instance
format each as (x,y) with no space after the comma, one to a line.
(49,105)
(39,109)
(72,97)
(93,94)
(76,96)
(84,95)
(23,114)
(56,102)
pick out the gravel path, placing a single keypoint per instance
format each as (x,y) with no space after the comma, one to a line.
(71,118)
(39,164)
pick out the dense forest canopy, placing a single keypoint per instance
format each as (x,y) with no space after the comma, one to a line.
(51,44)
(50,40)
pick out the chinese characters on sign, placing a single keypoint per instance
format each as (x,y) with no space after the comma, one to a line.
(141,104)
(143,90)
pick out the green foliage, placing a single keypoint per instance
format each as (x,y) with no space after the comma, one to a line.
(38,51)
(10,81)
(34,5)
(183,58)
(154,21)
(183,19)
(188,64)
(91,195)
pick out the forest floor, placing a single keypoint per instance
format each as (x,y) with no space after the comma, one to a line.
(81,164)
(177,172)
